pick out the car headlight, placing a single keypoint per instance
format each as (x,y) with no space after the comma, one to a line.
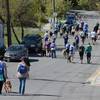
(7,55)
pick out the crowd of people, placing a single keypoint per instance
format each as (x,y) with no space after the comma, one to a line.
(80,33)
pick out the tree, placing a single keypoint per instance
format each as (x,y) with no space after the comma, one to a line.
(62,7)
(74,3)
(88,4)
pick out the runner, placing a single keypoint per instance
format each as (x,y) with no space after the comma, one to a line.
(65,37)
(88,53)
(73,31)
(81,52)
(96,27)
(76,42)
(85,29)
(93,37)
(67,51)
(82,35)
(71,52)
(53,49)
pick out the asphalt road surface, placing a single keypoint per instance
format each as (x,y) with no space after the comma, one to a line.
(55,79)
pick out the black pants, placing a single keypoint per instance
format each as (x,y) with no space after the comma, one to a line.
(81,54)
(1,85)
(88,57)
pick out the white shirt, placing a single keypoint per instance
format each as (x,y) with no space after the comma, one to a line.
(70,49)
(82,33)
(93,34)
(67,45)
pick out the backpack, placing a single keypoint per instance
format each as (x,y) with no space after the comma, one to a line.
(71,49)
(82,34)
(22,69)
(1,68)
(67,48)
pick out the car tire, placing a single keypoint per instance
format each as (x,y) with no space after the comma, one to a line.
(36,50)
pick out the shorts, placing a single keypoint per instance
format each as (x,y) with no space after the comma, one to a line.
(94,38)
(81,55)
(88,55)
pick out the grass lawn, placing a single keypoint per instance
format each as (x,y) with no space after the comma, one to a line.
(18,33)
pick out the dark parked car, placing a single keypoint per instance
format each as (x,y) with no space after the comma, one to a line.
(15,52)
(33,42)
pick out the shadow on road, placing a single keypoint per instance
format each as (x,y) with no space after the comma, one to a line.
(35,55)
(33,60)
(87,63)
(27,94)
(59,49)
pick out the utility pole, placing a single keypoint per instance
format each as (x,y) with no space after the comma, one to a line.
(54,9)
(54,13)
(54,6)
(8,23)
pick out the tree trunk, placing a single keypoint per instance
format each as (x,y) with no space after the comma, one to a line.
(22,30)
(15,33)
(22,27)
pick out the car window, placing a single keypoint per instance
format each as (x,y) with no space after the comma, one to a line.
(15,48)
(32,39)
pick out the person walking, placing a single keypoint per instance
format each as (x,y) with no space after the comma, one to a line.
(3,73)
(48,53)
(73,31)
(88,52)
(82,35)
(53,49)
(77,40)
(82,25)
(93,37)
(23,73)
(81,52)
(96,27)
(65,37)
(85,29)
(67,50)
(71,52)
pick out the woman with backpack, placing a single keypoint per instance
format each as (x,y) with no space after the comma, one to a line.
(23,73)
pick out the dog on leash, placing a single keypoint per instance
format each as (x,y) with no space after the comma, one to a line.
(64,53)
(7,86)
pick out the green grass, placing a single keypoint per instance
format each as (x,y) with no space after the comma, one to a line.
(18,33)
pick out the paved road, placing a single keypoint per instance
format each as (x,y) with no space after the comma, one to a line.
(55,79)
